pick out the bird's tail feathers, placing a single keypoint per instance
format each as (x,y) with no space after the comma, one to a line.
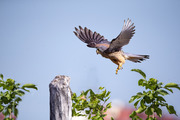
(136,58)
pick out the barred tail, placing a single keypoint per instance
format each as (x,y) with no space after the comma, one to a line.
(135,58)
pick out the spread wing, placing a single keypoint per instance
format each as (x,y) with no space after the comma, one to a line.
(123,38)
(93,39)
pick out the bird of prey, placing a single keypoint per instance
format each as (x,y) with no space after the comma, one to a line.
(111,50)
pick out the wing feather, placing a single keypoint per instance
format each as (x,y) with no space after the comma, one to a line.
(123,38)
(91,34)
(87,33)
(98,37)
(93,39)
(95,35)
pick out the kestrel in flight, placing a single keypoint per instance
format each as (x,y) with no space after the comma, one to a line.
(111,50)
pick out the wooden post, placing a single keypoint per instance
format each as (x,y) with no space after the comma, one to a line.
(60,98)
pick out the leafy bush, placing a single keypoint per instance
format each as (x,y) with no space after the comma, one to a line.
(152,99)
(94,104)
(11,96)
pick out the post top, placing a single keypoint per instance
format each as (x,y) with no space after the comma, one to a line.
(60,80)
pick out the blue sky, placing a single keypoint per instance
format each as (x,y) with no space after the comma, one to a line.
(37,43)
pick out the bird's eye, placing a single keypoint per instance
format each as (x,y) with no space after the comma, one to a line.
(114,60)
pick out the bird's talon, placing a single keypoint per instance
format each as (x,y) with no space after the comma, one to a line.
(119,68)
(116,71)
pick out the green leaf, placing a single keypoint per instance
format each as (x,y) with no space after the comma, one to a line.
(18,99)
(141,82)
(29,86)
(92,105)
(85,93)
(158,111)
(153,80)
(149,111)
(163,104)
(101,88)
(103,115)
(136,103)
(112,118)
(160,84)
(140,110)
(16,112)
(1,83)
(1,108)
(106,99)
(103,94)
(74,95)
(17,85)
(73,112)
(96,116)
(159,98)
(169,89)
(140,72)
(9,110)
(26,90)
(105,109)
(10,81)
(142,104)
(87,111)
(162,92)
(150,118)
(1,76)
(133,98)
(172,85)
(8,95)
(108,105)
(97,113)
(140,94)
(100,118)
(132,114)
(91,93)
(89,117)
(147,99)
(137,118)
(4,100)
(20,92)
(171,110)
(152,95)
(108,94)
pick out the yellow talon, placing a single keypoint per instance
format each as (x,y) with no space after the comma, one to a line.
(119,67)
(116,71)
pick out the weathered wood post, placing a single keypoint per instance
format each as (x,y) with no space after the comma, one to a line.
(60,98)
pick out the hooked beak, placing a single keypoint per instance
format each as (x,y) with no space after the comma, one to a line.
(97,52)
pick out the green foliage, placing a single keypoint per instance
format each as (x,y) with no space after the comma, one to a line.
(151,100)
(11,96)
(93,104)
